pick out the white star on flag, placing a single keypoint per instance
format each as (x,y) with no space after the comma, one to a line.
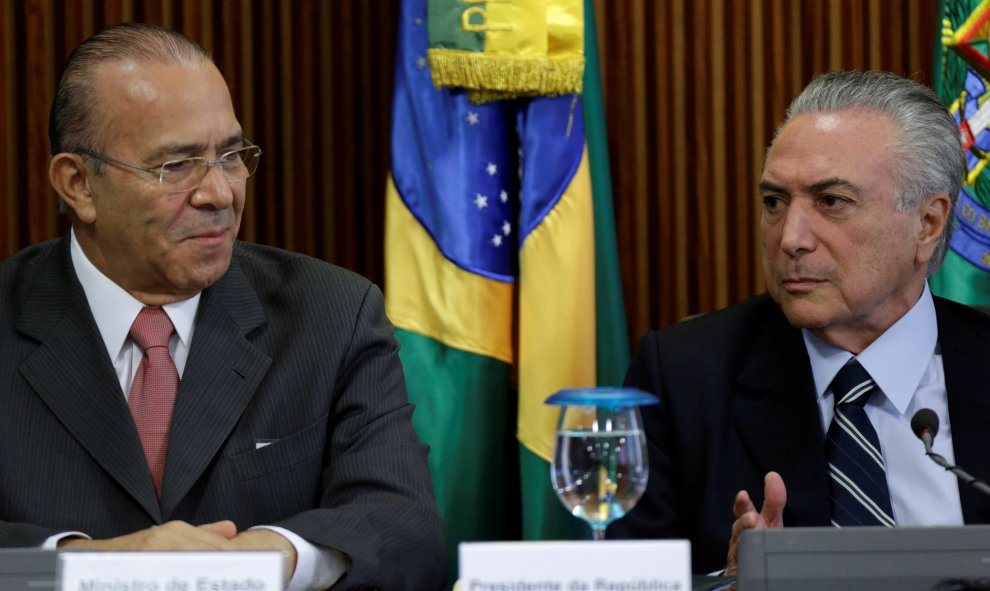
(421,62)
(472,118)
(497,240)
(503,196)
(481,201)
(491,168)
(506,228)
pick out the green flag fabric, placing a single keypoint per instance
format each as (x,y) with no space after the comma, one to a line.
(962,81)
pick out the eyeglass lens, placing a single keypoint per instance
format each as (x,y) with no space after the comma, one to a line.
(188,173)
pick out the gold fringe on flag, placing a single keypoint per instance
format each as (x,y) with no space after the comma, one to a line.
(500,49)
(494,77)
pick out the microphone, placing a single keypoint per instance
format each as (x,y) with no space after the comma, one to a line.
(924,423)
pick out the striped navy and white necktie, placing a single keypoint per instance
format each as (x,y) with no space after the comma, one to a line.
(857,480)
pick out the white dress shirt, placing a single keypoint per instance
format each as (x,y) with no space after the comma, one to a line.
(114,311)
(906,364)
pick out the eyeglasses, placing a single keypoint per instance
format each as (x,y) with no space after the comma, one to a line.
(186,174)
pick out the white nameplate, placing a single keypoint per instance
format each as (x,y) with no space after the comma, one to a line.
(170,571)
(610,565)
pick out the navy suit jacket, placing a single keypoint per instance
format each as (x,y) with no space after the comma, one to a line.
(286,349)
(738,400)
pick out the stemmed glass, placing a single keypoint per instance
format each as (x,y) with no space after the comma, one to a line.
(599,467)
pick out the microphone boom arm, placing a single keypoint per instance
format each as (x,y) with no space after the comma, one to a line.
(961,474)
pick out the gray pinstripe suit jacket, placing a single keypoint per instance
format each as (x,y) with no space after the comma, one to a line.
(287,348)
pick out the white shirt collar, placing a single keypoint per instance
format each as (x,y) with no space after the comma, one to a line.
(896,361)
(115,310)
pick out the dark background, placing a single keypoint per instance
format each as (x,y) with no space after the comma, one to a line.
(693,91)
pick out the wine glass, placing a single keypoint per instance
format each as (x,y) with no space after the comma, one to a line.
(599,467)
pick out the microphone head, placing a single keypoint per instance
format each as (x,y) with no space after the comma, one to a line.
(925,420)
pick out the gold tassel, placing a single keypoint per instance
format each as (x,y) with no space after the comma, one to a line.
(501,77)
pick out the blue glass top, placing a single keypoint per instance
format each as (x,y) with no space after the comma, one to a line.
(610,397)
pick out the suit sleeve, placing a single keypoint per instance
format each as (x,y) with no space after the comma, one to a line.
(24,535)
(377,503)
(656,514)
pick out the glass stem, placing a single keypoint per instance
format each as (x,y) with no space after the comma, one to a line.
(597,532)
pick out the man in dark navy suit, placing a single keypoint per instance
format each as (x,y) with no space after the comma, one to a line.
(858,188)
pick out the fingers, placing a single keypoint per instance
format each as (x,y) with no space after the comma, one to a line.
(225,529)
(174,535)
(265,539)
(743,504)
(770,515)
(178,535)
(746,518)
(774,500)
(261,539)
(746,521)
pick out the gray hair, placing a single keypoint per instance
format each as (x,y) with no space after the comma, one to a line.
(927,156)
(72,124)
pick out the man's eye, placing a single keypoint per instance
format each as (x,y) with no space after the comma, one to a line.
(771,202)
(177,167)
(831,200)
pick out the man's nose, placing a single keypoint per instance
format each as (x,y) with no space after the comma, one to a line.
(797,230)
(215,190)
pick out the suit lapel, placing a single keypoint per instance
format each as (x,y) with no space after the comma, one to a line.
(773,413)
(964,355)
(71,371)
(221,375)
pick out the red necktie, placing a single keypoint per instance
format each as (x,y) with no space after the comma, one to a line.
(155,385)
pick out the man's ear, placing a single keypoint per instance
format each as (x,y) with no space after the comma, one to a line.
(70,178)
(934,215)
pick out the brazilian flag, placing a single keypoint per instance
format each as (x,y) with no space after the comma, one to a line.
(501,266)
(962,81)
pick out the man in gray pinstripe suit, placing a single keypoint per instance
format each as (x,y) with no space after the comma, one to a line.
(290,429)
